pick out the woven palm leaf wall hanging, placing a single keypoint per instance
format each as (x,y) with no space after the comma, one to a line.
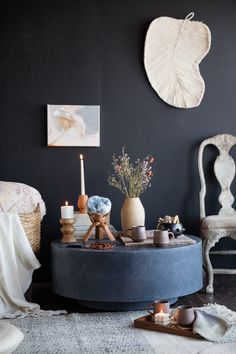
(172,54)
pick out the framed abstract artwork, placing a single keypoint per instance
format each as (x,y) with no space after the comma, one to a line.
(73,125)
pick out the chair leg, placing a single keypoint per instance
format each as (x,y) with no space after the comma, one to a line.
(207,246)
(203,257)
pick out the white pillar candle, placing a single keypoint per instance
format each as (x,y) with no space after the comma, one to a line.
(67,211)
(162,318)
(82,183)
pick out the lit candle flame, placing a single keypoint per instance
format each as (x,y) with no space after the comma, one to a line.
(161,313)
(66,203)
(81,157)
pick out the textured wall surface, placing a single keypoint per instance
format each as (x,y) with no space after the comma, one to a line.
(91,52)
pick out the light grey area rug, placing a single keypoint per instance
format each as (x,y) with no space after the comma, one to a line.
(112,332)
(229,348)
(81,333)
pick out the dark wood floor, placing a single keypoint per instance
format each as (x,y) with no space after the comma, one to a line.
(225,294)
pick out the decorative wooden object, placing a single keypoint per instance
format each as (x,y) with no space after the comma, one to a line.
(82,203)
(101,246)
(181,240)
(99,222)
(169,220)
(67,230)
(145,322)
(214,227)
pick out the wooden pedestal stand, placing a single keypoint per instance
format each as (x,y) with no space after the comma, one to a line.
(82,203)
(67,230)
(99,222)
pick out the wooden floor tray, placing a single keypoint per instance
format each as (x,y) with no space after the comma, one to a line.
(145,322)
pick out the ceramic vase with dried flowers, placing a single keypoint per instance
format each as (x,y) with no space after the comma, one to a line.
(132,179)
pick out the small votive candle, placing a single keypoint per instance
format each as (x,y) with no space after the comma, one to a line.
(162,318)
(67,211)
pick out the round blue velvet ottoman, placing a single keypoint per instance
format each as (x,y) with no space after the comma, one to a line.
(126,278)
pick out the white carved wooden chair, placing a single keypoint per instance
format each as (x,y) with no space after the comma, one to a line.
(214,227)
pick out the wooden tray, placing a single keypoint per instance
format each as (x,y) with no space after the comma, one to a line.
(181,240)
(145,322)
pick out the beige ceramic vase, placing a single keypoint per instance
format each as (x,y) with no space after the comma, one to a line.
(132,214)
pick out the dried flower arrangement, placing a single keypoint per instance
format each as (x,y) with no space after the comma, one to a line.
(169,220)
(132,179)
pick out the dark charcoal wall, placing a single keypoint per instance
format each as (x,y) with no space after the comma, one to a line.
(91,52)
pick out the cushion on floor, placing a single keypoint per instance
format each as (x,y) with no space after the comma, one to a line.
(10,337)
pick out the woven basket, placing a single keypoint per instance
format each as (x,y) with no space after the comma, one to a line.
(31,223)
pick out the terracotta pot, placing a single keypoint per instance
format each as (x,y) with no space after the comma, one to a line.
(132,214)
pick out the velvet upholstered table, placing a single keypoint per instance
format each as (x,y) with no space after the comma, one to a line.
(126,278)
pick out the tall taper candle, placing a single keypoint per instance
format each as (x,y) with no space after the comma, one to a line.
(82,183)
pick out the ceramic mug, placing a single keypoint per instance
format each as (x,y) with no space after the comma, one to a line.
(137,233)
(158,306)
(162,237)
(184,315)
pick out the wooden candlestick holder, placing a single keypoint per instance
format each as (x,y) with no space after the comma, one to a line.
(82,203)
(67,230)
(99,222)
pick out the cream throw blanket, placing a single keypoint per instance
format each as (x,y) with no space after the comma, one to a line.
(215,323)
(17,263)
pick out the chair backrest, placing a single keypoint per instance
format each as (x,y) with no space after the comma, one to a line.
(224,169)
